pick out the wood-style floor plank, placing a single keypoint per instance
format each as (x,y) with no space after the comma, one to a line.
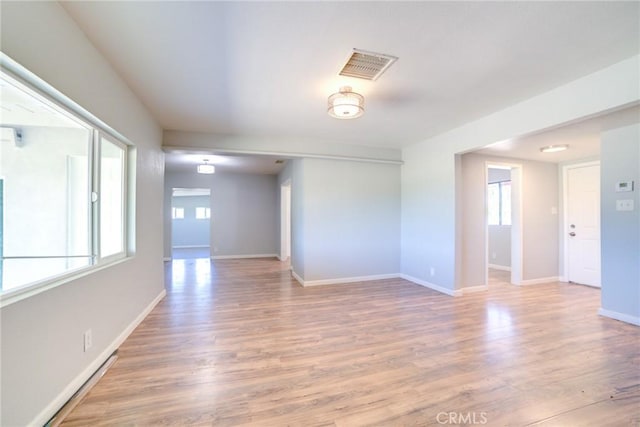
(238,342)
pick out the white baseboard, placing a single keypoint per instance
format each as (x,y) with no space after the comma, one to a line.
(345,279)
(500,267)
(297,277)
(190,247)
(472,289)
(244,256)
(447,291)
(539,281)
(627,318)
(62,398)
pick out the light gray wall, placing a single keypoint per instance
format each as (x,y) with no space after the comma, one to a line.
(497,175)
(429,229)
(244,211)
(189,231)
(351,219)
(620,234)
(539,224)
(42,350)
(500,245)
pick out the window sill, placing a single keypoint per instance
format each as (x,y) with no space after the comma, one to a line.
(23,292)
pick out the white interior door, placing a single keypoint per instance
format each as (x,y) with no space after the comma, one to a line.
(583,224)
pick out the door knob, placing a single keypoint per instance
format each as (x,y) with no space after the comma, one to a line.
(572,234)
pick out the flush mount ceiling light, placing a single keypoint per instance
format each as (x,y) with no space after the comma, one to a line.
(206,168)
(554,148)
(346,104)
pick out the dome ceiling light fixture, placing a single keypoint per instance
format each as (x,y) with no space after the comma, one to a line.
(346,104)
(554,148)
(206,168)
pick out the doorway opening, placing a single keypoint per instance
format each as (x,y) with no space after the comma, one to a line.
(503,222)
(285,221)
(190,223)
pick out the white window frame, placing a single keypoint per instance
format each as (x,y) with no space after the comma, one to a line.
(49,94)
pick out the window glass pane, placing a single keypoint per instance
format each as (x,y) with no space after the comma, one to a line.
(203,213)
(493,204)
(177,213)
(505,207)
(44,168)
(111,196)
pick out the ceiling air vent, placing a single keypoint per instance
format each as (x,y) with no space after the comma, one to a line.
(367,65)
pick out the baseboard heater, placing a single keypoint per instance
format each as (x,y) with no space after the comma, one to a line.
(66,409)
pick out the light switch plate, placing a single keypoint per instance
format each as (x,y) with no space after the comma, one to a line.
(624,205)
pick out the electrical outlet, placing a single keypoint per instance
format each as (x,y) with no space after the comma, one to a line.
(215,249)
(493,255)
(432,271)
(88,340)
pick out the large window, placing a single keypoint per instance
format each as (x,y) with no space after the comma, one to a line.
(499,203)
(63,194)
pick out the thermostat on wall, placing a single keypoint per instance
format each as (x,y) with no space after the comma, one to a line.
(624,186)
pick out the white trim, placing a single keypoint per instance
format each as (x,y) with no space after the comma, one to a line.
(346,280)
(539,281)
(627,318)
(245,256)
(446,291)
(172,148)
(297,277)
(500,267)
(473,289)
(9,296)
(189,246)
(57,403)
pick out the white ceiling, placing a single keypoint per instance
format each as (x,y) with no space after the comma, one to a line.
(582,137)
(267,68)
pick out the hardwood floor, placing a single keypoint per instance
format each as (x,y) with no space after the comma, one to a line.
(238,342)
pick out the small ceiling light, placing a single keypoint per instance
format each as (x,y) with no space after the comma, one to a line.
(554,148)
(206,168)
(346,104)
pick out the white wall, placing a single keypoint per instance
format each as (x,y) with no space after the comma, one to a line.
(42,355)
(351,219)
(244,211)
(189,231)
(620,234)
(429,230)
